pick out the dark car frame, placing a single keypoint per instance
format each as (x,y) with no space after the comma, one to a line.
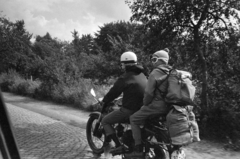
(8,145)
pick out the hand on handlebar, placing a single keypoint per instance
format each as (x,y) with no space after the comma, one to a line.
(103,104)
(102,111)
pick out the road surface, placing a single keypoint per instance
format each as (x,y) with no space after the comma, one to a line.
(41,137)
(45,130)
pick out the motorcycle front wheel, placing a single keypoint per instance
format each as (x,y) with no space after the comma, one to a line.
(94,142)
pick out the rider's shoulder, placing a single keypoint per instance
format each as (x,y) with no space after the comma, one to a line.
(121,78)
(163,68)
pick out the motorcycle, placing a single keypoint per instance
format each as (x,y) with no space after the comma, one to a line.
(155,137)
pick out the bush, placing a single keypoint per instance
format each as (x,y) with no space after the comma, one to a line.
(15,86)
(76,93)
(7,80)
(223,124)
(221,120)
(27,87)
(44,91)
(14,82)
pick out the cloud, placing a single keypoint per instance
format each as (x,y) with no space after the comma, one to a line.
(62,30)
(109,9)
(61,17)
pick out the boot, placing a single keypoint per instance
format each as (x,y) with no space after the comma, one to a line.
(107,144)
(137,152)
(118,148)
(115,140)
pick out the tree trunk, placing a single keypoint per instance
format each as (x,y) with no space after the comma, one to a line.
(204,94)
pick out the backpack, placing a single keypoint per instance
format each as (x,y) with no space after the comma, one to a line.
(180,90)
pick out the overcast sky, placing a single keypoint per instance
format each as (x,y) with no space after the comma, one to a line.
(61,17)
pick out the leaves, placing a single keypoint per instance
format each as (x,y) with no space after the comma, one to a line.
(14,45)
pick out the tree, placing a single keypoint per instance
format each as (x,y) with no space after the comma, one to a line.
(85,44)
(125,31)
(110,42)
(54,58)
(193,19)
(15,46)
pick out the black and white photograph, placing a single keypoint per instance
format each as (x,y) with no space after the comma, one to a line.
(119,79)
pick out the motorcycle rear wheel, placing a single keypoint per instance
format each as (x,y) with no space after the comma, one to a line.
(156,153)
(95,143)
(178,154)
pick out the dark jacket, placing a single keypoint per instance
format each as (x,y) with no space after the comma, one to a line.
(132,84)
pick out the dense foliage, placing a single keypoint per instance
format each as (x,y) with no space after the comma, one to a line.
(204,37)
(193,21)
(200,34)
(14,46)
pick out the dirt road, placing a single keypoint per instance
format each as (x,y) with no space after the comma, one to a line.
(75,117)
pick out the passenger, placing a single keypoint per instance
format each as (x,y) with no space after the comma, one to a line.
(153,102)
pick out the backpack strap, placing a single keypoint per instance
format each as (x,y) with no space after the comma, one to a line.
(164,71)
(157,87)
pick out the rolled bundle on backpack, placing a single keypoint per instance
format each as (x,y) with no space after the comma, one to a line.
(193,124)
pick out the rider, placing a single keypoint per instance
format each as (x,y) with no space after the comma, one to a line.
(132,84)
(153,102)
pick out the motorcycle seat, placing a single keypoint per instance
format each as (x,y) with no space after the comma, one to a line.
(126,121)
(157,117)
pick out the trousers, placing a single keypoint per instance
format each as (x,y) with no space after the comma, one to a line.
(139,117)
(114,117)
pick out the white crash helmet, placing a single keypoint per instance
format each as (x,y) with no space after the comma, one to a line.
(128,57)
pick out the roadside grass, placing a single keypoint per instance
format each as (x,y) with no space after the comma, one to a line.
(77,94)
